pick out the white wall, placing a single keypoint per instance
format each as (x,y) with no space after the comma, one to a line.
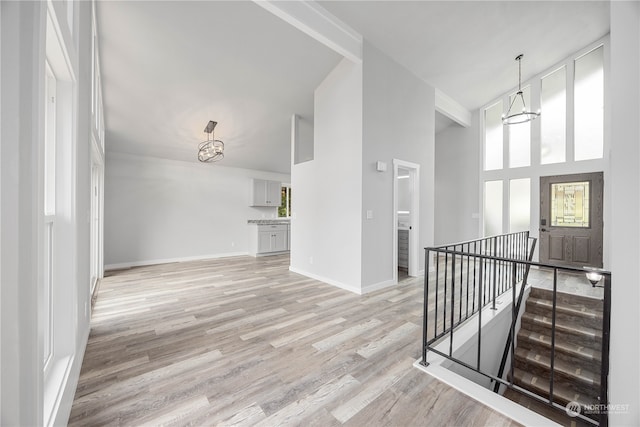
(398,123)
(457,176)
(159,210)
(326,221)
(20,368)
(624,376)
(21,199)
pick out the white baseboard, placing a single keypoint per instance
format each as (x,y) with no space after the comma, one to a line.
(122,265)
(331,282)
(378,286)
(256,255)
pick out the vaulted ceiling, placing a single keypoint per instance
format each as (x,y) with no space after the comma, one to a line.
(168,67)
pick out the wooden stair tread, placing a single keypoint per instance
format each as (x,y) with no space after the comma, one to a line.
(576,310)
(566,299)
(558,415)
(562,367)
(577,351)
(562,394)
(577,361)
(581,331)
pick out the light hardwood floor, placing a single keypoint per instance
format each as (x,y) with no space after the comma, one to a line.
(243,341)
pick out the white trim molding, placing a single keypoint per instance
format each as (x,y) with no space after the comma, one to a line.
(315,21)
(452,109)
(354,289)
(122,265)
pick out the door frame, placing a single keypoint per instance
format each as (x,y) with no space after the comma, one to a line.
(414,232)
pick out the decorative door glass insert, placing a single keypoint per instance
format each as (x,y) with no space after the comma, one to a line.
(570,204)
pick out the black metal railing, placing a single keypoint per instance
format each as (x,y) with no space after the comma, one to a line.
(475,272)
(470,276)
(510,344)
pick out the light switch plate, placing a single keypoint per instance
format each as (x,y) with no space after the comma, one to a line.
(369,214)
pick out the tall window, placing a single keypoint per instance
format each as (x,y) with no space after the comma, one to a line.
(284,210)
(554,121)
(520,137)
(570,130)
(519,204)
(493,137)
(492,208)
(589,105)
(57,296)
(49,213)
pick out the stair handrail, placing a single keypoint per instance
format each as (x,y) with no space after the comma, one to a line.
(514,320)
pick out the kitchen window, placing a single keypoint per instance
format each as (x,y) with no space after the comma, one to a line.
(284,210)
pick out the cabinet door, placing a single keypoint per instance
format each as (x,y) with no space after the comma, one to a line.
(273,189)
(279,242)
(265,193)
(264,241)
(258,192)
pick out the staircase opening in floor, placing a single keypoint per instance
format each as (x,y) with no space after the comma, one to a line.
(536,334)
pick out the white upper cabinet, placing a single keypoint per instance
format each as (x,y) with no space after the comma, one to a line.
(265,193)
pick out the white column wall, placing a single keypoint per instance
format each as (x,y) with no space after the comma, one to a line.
(159,210)
(398,123)
(22,30)
(457,177)
(326,221)
(21,202)
(624,374)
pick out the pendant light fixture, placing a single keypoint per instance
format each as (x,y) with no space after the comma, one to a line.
(212,149)
(518,116)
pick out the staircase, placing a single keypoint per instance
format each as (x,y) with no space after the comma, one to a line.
(577,352)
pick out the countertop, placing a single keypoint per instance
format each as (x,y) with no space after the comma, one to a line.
(275,221)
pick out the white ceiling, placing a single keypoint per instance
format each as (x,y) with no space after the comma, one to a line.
(168,67)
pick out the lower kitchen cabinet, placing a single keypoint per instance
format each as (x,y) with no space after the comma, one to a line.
(268,239)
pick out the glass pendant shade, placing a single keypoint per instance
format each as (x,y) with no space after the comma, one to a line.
(212,149)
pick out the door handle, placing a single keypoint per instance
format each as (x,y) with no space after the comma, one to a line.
(543,229)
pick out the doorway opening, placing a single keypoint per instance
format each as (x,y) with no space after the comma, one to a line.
(406,203)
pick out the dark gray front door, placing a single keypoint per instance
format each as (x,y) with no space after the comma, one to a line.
(571,219)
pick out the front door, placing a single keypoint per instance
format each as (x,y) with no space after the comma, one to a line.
(571,219)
